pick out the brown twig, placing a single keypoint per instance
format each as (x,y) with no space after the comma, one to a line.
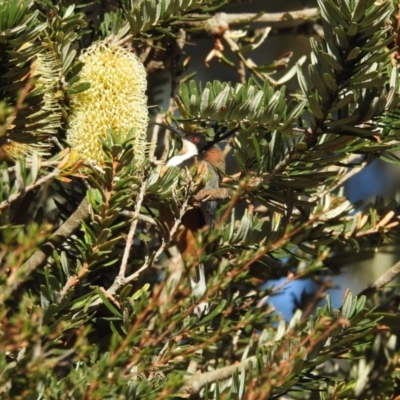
(6,203)
(39,257)
(208,194)
(73,281)
(132,230)
(263,250)
(344,174)
(281,166)
(42,164)
(382,281)
(121,280)
(196,382)
(164,244)
(141,217)
(234,19)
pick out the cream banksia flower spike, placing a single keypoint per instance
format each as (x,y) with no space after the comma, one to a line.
(116,99)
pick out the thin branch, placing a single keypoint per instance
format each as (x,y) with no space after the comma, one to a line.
(121,280)
(39,257)
(132,230)
(154,135)
(42,164)
(6,203)
(208,194)
(198,381)
(273,17)
(142,217)
(382,281)
(287,18)
(344,174)
(263,250)
(281,166)
(73,281)
(164,244)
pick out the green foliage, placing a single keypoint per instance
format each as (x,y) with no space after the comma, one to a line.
(62,31)
(147,14)
(20,28)
(96,302)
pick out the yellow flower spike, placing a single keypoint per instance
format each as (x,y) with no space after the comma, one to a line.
(116,99)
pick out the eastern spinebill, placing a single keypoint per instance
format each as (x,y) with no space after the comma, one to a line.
(210,163)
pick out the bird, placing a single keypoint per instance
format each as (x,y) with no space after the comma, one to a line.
(209,161)
(210,165)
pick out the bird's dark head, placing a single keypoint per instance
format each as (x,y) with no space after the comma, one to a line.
(192,145)
(198,140)
(194,138)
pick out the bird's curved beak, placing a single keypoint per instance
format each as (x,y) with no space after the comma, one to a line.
(172,129)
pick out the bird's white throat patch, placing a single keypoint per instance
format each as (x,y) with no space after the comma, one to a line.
(188,151)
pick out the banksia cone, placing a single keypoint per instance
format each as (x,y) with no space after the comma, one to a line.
(115,100)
